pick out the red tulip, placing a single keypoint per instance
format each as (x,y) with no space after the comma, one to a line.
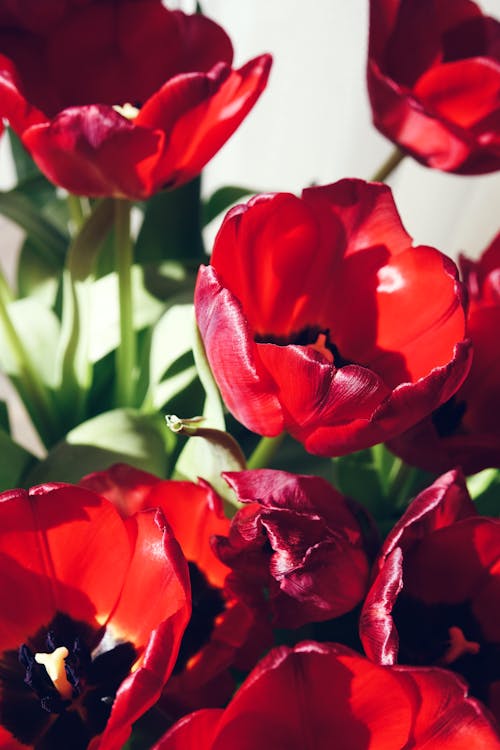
(465,431)
(121,98)
(434,81)
(223,632)
(317,319)
(299,540)
(94,608)
(435,597)
(324,695)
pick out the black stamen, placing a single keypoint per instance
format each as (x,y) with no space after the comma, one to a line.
(448,417)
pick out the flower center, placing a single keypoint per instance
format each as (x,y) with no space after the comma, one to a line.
(58,689)
(313,337)
(458,646)
(54,664)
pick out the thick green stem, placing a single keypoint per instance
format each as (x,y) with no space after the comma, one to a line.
(126,353)
(34,394)
(264,452)
(78,211)
(395,158)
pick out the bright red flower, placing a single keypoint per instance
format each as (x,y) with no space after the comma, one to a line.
(465,431)
(222,632)
(317,319)
(298,539)
(434,81)
(325,695)
(122,98)
(102,601)
(435,597)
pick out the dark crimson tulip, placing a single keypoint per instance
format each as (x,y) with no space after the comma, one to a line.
(222,632)
(300,541)
(317,319)
(434,81)
(435,596)
(465,430)
(121,97)
(326,696)
(93,612)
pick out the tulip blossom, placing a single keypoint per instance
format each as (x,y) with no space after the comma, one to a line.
(222,632)
(326,696)
(434,81)
(94,608)
(465,431)
(299,540)
(121,98)
(317,319)
(435,596)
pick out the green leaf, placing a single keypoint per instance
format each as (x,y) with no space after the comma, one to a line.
(207,454)
(172,226)
(73,362)
(104,328)
(48,240)
(484,488)
(38,327)
(171,339)
(24,165)
(36,277)
(221,200)
(357,476)
(121,435)
(210,450)
(15,462)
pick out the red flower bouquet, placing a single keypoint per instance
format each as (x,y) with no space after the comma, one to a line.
(316,694)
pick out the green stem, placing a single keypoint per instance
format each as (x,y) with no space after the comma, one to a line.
(264,452)
(32,390)
(5,290)
(395,158)
(401,482)
(78,212)
(126,353)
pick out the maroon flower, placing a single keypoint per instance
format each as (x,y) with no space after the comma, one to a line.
(324,695)
(299,540)
(435,597)
(317,319)
(465,431)
(222,632)
(121,97)
(94,608)
(434,81)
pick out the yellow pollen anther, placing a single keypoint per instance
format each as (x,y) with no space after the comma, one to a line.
(126,110)
(54,664)
(458,646)
(320,345)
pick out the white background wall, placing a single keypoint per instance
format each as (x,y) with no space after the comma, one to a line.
(313,122)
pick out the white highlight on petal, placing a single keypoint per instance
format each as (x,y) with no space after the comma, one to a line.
(389,280)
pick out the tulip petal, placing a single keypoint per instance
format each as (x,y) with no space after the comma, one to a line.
(231,354)
(65,563)
(82,149)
